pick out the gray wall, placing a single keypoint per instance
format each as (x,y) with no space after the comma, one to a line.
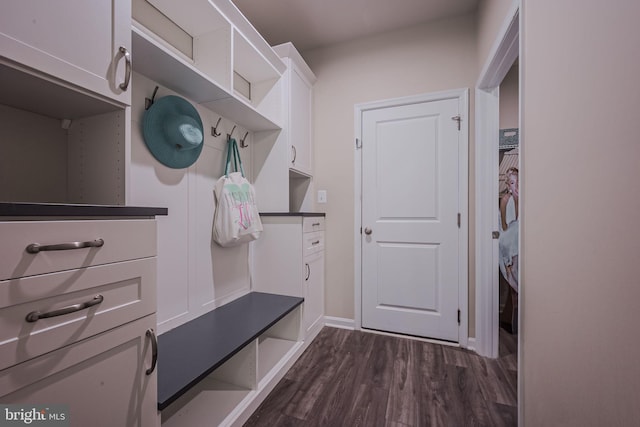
(422,59)
(580,237)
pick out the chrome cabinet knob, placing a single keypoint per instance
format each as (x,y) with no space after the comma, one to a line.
(368,231)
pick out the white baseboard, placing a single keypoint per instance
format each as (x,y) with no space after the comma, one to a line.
(339,322)
(471,344)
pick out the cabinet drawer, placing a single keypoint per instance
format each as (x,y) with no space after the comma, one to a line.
(123,240)
(312,223)
(313,242)
(128,293)
(102,380)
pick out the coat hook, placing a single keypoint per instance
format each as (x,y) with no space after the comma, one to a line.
(214,129)
(149,102)
(231,133)
(242,144)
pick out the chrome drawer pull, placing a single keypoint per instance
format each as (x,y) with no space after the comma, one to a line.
(154,351)
(127,72)
(306,264)
(34,316)
(315,243)
(34,248)
(315,224)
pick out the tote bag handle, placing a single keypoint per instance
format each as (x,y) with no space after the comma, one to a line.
(232,149)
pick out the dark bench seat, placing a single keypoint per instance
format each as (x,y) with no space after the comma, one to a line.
(190,352)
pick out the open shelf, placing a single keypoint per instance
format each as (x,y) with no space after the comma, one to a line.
(157,60)
(200,17)
(60,143)
(250,63)
(300,198)
(38,93)
(163,64)
(271,352)
(211,400)
(198,52)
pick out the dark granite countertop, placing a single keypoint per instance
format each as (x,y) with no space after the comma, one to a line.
(8,209)
(303,214)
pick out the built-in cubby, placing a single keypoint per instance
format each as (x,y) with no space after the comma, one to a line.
(276,345)
(218,367)
(65,87)
(199,53)
(217,397)
(253,72)
(300,195)
(198,36)
(60,143)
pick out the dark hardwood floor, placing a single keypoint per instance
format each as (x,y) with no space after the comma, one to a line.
(352,378)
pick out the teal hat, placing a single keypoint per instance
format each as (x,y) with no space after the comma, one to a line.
(173,132)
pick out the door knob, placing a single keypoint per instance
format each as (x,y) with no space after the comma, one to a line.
(368,231)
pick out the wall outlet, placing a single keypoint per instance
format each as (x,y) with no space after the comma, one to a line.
(322,196)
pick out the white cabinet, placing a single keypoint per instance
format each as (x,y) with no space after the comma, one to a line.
(64,101)
(102,380)
(289,260)
(83,43)
(283,162)
(300,117)
(314,292)
(77,315)
(298,83)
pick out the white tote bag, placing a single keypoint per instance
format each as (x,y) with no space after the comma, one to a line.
(236,219)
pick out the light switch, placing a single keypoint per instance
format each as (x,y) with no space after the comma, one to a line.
(322,196)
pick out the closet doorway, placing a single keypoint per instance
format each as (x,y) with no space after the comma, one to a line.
(488,221)
(509,203)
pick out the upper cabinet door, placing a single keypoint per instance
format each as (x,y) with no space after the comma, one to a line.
(85,43)
(300,122)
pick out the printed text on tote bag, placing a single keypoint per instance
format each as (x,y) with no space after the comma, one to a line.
(240,197)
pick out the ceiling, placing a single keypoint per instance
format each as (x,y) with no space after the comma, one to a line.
(309,24)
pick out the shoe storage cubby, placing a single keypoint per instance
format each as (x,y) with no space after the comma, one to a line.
(216,369)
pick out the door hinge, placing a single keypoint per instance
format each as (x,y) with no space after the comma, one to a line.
(459,219)
(360,230)
(458,316)
(358,143)
(457,119)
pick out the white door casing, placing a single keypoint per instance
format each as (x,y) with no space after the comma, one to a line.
(502,56)
(413,185)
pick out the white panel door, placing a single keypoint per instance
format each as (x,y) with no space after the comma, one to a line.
(410,219)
